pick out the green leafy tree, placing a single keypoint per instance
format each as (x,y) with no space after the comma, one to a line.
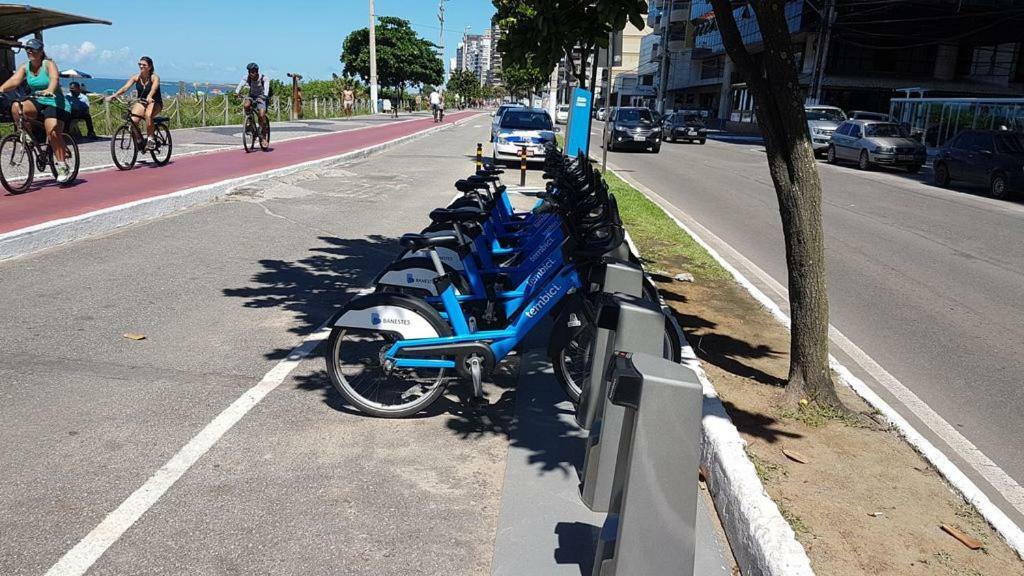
(541,32)
(403,58)
(523,79)
(464,84)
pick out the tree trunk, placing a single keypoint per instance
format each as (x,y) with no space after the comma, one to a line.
(774,84)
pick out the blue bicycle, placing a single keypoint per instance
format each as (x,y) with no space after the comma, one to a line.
(391,353)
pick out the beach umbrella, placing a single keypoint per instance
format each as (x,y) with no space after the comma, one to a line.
(72,73)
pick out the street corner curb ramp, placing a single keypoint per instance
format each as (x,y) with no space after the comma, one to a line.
(41,236)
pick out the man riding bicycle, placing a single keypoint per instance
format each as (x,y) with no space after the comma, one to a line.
(259,92)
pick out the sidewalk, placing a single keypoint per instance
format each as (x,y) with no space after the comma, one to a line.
(111,187)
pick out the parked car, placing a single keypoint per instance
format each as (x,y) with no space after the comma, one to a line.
(681,126)
(600,114)
(870,142)
(519,127)
(990,158)
(496,116)
(866,115)
(633,127)
(562,114)
(822,121)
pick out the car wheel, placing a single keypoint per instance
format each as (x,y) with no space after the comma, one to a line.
(998,188)
(914,168)
(671,138)
(864,162)
(656,148)
(703,140)
(941,175)
(830,154)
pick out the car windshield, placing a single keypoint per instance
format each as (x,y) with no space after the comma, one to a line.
(1010,143)
(635,115)
(526,120)
(691,118)
(884,130)
(829,115)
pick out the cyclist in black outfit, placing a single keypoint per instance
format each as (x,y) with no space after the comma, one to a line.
(147,89)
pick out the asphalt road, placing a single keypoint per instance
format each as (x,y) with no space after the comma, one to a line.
(928,282)
(223,292)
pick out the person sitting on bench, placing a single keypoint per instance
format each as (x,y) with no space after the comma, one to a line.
(80,108)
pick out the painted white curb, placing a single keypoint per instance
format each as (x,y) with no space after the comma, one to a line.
(762,542)
(56,232)
(1010,532)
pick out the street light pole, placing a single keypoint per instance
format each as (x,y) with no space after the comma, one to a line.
(373,60)
(440,18)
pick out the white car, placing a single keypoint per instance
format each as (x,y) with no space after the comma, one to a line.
(523,127)
(496,116)
(822,121)
(562,114)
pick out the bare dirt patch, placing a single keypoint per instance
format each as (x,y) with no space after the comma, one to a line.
(864,503)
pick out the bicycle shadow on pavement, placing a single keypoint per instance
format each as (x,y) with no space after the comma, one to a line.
(314,287)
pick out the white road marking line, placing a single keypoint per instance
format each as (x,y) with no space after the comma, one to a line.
(80,558)
(1005,485)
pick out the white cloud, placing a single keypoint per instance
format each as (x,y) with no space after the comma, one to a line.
(119,55)
(84,51)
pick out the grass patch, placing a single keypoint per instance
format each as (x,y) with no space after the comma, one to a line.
(661,241)
(766,471)
(795,522)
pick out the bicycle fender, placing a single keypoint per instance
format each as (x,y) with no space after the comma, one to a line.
(407,317)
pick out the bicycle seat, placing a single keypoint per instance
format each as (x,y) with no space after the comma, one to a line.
(489,171)
(419,241)
(161,119)
(484,178)
(460,215)
(469,186)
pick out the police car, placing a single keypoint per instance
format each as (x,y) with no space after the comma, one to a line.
(523,127)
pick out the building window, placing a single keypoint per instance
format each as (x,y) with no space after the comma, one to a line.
(711,68)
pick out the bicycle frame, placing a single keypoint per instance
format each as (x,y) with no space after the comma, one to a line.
(500,342)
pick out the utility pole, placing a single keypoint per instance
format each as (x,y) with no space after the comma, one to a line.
(607,101)
(827,15)
(663,84)
(373,60)
(440,18)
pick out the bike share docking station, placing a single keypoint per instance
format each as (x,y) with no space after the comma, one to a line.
(643,414)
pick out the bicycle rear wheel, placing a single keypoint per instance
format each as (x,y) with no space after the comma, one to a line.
(162,135)
(249,135)
(71,159)
(354,365)
(123,149)
(17,166)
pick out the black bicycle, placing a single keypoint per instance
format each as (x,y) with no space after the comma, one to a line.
(128,141)
(251,131)
(28,150)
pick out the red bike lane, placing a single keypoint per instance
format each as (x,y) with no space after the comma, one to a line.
(109,188)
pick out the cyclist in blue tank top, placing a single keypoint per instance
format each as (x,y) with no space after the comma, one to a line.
(147,90)
(48,103)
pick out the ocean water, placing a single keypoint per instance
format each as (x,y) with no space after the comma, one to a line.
(167,88)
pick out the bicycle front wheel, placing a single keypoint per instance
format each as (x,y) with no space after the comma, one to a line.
(249,135)
(123,149)
(71,159)
(162,135)
(17,164)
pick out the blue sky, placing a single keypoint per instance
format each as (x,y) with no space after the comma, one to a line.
(213,40)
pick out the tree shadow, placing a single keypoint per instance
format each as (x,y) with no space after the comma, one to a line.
(757,425)
(722,350)
(316,286)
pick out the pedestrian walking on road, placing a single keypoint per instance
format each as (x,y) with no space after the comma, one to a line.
(348,96)
(147,90)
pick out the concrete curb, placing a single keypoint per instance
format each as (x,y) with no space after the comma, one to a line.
(762,542)
(56,232)
(1007,529)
